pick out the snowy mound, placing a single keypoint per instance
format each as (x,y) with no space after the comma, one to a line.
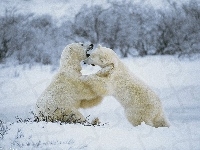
(176,82)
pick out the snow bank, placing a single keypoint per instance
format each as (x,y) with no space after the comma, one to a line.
(176,81)
(54,136)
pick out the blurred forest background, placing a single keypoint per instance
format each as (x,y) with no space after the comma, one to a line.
(128,28)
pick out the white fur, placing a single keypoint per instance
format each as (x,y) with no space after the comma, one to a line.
(139,101)
(62,98)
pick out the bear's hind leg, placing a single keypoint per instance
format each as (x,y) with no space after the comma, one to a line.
(90,103)
(133,117)
(73,116)
(160,121)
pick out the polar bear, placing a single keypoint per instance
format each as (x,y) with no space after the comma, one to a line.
(61,99)
(140,103)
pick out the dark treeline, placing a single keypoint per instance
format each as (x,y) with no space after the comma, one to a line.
(128,28)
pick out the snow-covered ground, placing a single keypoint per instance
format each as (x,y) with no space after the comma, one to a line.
(176,82)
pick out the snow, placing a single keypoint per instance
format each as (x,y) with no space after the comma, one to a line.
(176,82)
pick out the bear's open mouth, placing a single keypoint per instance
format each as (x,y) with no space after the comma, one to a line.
(89,49)
(90,64)
(88,54)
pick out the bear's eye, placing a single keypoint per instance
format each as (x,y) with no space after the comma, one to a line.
(81,44)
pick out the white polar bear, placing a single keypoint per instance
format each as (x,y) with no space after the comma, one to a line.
(61,99)
(140,103)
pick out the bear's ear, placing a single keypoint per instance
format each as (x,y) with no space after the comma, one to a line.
(99,46)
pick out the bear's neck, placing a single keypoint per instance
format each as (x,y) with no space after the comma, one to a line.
(119,67)
(72,67)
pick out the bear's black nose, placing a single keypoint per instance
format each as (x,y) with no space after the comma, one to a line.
(87,55)
(91,46)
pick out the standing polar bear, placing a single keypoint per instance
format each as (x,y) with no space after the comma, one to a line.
(61,99)
(139,101)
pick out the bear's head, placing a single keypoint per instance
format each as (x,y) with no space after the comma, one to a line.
(102,57)
(75,52)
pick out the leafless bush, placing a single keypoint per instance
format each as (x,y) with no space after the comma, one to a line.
(3,129)
(128,28)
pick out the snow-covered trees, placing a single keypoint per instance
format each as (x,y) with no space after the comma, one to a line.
(126,27)
(138,29)
(179,30)
(30,38)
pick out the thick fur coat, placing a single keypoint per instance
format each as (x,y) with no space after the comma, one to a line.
(140,103)
(62,98)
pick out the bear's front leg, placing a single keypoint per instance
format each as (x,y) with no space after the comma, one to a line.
(99,85)
(104,72)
